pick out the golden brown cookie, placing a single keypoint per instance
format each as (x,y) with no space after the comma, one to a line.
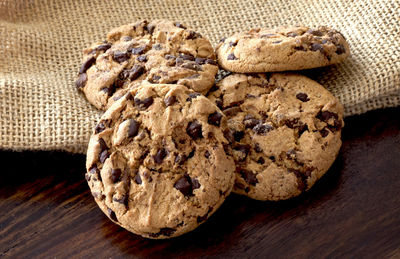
(156,162)
(282,49)
(158,52)
(284,132)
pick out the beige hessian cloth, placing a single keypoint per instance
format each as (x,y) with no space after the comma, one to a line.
(41,43)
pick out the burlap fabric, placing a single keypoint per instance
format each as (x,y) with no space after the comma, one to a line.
(41,44)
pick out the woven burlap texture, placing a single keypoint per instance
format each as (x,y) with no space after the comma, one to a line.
(41,45)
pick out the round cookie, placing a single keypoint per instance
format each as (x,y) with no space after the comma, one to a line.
(159,52)
(156,163)
(282,49)
(284,130)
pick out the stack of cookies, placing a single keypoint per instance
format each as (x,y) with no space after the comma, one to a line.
(174,141)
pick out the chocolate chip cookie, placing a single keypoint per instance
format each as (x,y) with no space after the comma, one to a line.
(282,49)
(156,162)
(284,130)
(158,52)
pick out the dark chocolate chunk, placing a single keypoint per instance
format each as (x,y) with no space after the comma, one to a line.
(193,35)
(324,132)
(317,47)
(326,115)
(122,200)
(232,44)
(101,126)
(138,179)
(229,135)
(186,57)
(191,154)
(179,25)
(200,61)
(207,154)
(160,155)
(136,71)
(301,179)
(115,175)
(170,100)
(149,28)
(262,128)
(215,118)
(192,96)
(154,79)
(340,49)
(103,47)
(180,159)
(163,231)
(87,177)
(138,50)
(250,122)
(143,104)
(168,57)
(232,111)
(103,145)
(81,81)
(222,40)
(248,176)
(244,149)
(133,128)
(291,34)
(302,97)
(315,32)
(302,128)
(261,160)
(211,62)
(142,58)
(121,56)
(276,42)
(257,148)
(194,130)
(192,66)
(186,185)
(87,64)
(104,155)
(111,214)
(272,158)
(231,57)
(219,103)
(238,135)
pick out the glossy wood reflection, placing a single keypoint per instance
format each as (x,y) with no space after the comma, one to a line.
(46,209)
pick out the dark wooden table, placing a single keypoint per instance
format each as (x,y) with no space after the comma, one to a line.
(46,209)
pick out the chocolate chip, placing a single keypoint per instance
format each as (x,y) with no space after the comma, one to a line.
(238,135)
(170,100)
(257,148)
(326,115)
(192,66)
(232,111)
(302,129)
(261,129)
(244,149)
(127,38)
(193,96)
(149,28)
(157,46)
(154,79)
(133,128)
(250,122)
(193,35)
(291,34)
(222,40)
(272,158)
(191,154)
(231,57)
(103,47)
(211,62)
(315,32)
(101,126)
(207,154)
(138,179)
(111,214)
(163,231)
(186,57)
(186,185)
(180,159)
(229,135)
(248,176)
(142,58)
(291,154)
(317,47)
(115,175)
(121,56)
(261,161)
(276,42)
(291,123)
(232,44)
(136,71)
(179,25)
(104,155)
(87,177)
(122,200)
(160,155)
(200,61)
(340,49)
(138,50)
(324,132)
(215,118)
(219,103)
(143,104)
(301,179)
(87,64)
(268,35)
(81,81)
(302,97)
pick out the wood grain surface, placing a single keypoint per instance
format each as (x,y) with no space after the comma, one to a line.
(46,210)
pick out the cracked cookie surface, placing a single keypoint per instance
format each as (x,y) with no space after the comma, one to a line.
(284,130)
(156,162)
(161,52)
(282,49)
